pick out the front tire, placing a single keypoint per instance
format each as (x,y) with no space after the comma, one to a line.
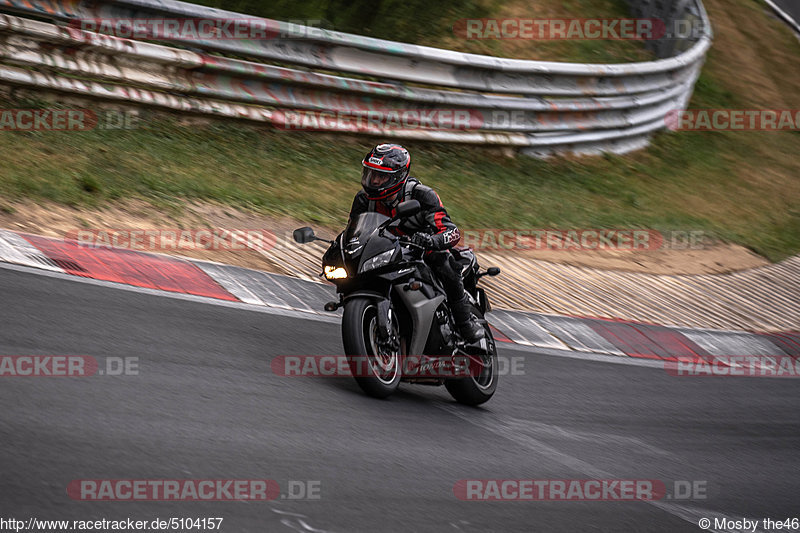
(377,371)
(478,389)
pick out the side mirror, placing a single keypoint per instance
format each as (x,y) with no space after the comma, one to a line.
(407,209)
(304,235)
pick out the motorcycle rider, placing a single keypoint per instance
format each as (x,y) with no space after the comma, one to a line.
(385,184)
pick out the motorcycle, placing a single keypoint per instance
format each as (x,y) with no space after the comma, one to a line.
(397,326)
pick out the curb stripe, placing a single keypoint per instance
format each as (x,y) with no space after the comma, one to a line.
(587,335)
(15,249)
(676,344)
(630,340)
(725,343)
(785,343)
(498,335)
(529,331)
(577,334)
(130,267)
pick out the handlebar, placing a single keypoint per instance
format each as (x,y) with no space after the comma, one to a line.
(407,240)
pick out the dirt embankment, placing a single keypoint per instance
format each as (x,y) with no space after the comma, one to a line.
(60,221)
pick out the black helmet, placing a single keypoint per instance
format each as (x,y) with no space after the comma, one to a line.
(385,171)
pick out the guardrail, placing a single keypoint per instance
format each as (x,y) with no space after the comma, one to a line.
(354,84)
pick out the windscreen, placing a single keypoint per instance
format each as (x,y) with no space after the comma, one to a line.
(363,225)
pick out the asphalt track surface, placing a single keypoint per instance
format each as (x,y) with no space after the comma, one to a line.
(206,405)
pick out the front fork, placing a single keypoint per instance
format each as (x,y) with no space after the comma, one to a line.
(387,337)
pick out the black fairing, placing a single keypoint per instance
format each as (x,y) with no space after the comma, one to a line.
(359,242)
(362,240)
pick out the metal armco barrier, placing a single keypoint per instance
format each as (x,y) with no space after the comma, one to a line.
(538,107)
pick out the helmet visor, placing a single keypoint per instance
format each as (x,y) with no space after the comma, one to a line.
(375,179)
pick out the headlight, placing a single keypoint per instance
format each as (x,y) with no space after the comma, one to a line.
(377,261)
(332,272)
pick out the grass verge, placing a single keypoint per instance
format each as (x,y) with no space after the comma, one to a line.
(742,187)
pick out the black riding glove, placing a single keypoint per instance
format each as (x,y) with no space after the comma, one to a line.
(422,240)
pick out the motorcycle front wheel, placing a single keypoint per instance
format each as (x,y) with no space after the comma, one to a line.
(377,371)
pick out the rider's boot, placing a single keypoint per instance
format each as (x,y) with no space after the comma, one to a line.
(469,328)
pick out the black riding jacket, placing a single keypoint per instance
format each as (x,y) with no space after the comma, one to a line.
(431,219)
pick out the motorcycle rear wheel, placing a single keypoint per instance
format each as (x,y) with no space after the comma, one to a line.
(479,388)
